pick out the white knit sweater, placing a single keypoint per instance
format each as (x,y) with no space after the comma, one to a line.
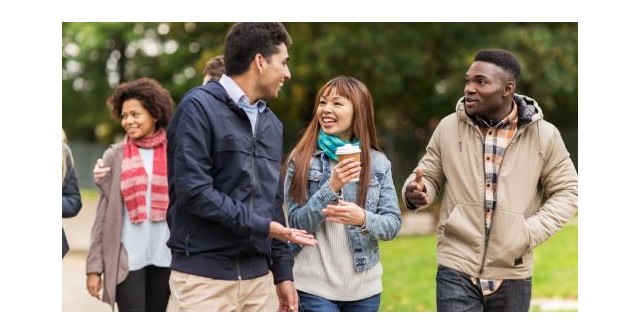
(327,270)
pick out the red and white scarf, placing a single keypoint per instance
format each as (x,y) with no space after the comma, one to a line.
(133,179)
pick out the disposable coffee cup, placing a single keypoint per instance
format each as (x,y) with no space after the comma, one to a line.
(349,151)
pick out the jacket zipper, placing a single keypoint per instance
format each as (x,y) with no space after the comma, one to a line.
(253,178)
(487,231)
(238,268)
(253,173)
(254,141)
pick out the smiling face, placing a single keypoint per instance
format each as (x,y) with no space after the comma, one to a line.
(335,115)
(275,71)
(136,120)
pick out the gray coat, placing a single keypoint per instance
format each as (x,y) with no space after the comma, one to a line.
(107,255)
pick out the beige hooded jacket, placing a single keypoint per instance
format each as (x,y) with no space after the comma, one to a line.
(537,193)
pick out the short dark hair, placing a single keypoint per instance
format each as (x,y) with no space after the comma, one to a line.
(153,97)
(215,67)
(245,40)
(501,58)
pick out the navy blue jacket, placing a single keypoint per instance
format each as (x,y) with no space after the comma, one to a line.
(71,202)
(224,189)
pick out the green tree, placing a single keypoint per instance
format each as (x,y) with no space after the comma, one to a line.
(414,70)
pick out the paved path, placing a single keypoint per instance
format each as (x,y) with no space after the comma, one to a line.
(78,229)
(74,292)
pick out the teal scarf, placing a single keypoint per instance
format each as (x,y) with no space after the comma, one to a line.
(328,144)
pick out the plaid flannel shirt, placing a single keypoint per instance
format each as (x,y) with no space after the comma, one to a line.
(496,140)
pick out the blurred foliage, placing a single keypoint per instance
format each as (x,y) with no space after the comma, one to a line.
(414,70)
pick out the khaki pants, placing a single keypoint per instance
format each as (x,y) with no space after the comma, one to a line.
(192,293)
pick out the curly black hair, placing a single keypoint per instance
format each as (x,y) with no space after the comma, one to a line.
(153,97)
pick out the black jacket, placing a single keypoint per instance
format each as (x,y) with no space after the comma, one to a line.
(224,189)
(71,202)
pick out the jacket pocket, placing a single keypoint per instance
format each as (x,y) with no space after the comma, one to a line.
(315,176)
(462,233)
(509,240)
(188,237)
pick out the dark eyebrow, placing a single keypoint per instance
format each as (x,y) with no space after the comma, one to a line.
(477,77)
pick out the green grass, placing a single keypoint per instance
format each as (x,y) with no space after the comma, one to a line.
(409,276)
(555,270)
(90,194)
(409,279)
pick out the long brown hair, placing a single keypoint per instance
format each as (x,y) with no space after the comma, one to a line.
(362,128)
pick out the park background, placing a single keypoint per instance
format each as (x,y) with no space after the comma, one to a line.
(414,71)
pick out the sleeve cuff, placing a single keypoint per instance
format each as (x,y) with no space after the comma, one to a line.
(282,271)
(261,225)
(367,222)
(328,195)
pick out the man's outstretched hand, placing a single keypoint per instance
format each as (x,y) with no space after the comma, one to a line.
(301,237)
(416,192)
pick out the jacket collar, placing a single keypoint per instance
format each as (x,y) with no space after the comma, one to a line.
(528,110)
(215,89)
(238,96)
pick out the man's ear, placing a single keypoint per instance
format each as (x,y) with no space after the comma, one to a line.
(509,89)
(259,61)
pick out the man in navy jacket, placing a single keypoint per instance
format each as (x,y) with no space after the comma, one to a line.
(225,193)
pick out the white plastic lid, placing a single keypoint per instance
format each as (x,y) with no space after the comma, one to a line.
(347,149)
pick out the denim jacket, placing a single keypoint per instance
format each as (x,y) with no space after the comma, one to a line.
(382,212)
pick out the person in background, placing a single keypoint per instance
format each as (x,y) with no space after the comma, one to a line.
(128,251)
(348,219)
(508,186)
(224,152)
(71,200)
(214,69)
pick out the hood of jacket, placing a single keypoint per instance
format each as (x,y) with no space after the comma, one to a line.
(528,110)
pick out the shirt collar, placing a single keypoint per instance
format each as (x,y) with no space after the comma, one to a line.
(238,96)
(510,118)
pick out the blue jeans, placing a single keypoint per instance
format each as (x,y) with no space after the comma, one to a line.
(456,293)
(313,303)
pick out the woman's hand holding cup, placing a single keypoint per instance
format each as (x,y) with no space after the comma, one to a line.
(345,171)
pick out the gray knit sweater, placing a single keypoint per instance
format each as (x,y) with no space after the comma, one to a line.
(327,270)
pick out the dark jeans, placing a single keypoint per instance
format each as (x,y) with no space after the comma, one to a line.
(456,293)
(313,303)
(144,290)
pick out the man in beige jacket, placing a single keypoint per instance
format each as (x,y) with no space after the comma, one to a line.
(508,184)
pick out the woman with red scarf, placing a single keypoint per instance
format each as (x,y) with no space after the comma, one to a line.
(128,252)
